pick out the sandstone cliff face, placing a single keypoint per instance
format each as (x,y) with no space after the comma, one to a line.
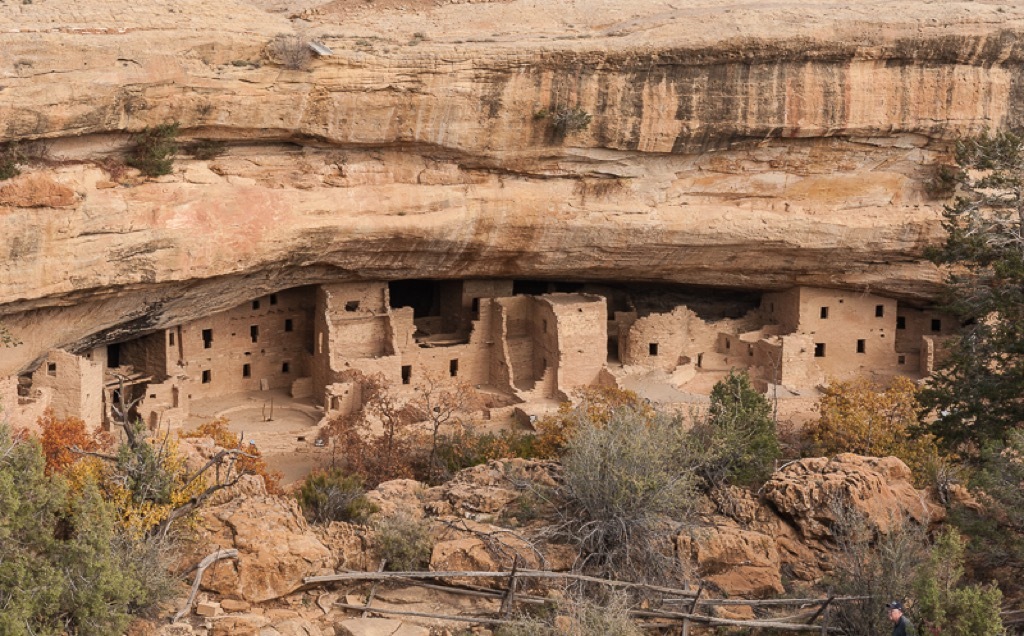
(747,148)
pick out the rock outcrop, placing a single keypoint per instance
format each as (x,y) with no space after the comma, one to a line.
(276,547)
(811,493)
(754,147)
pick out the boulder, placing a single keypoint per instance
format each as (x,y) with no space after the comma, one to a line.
(740,562)
(488,489)
(404,495)
(276,548)
(805,493)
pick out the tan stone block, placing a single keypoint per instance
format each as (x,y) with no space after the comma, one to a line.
(232,605)
(208,609)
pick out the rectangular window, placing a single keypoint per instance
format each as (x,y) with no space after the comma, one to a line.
(453,368)
(246,371)
(728,344)
(861,346)
(819,349)
(901,360)
(824,312)
(879,311)
(475,306)
(352,305)
(289,325)
(207,338)
(206,377)
(285,367)
(51,368)
(170,338)
(652,348)
(750,350)
(936,324)
(901,322)
(406,374)
(273,299)
(255,304)
(254,333)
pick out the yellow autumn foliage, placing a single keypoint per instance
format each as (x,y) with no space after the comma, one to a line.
(595,405)
(861,417)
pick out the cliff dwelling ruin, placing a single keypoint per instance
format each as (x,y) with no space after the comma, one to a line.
(528,343)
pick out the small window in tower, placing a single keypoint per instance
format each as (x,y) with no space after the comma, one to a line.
(879,311)
(819,349)
(475,305)
(901,322)
(207,338)
(936,324)
(861,346)
(406,374)
(352,305)
(824,312)
(206,377)
(170,338)
(289,325)
(254,333)
(246,371)
(286,367)
(901,360)
(453,368)
(728,344)
(652,348)
(51,368)
(255,304)
(273,299)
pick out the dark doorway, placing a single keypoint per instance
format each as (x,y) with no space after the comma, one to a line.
(114,355)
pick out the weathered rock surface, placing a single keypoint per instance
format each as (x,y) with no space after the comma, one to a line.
(742,562)
(881,489)
(275,544)
(379,627)
(758,146)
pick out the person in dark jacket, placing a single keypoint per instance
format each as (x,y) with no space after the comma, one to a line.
(900,625)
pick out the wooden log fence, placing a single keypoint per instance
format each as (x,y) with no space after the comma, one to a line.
(512,596)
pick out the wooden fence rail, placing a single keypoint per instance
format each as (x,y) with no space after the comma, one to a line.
(511,596)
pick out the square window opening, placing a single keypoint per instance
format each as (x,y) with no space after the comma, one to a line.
(246,371)
(901,322)
(254,333)
(207,338)
(879,311)
(289,325)
(273,299)
(824,313)
(286,367)
(901,360)
(51,368)
(406,373)
(207,376)
(255,304)
(652,348)
(352,305)
(819,349)
(936,324)
(475,305)
(453,368)
(861,346)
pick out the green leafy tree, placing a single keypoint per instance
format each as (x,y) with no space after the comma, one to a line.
(945,606)
(737,442)
(64,567)
(976,394)
(154,149)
